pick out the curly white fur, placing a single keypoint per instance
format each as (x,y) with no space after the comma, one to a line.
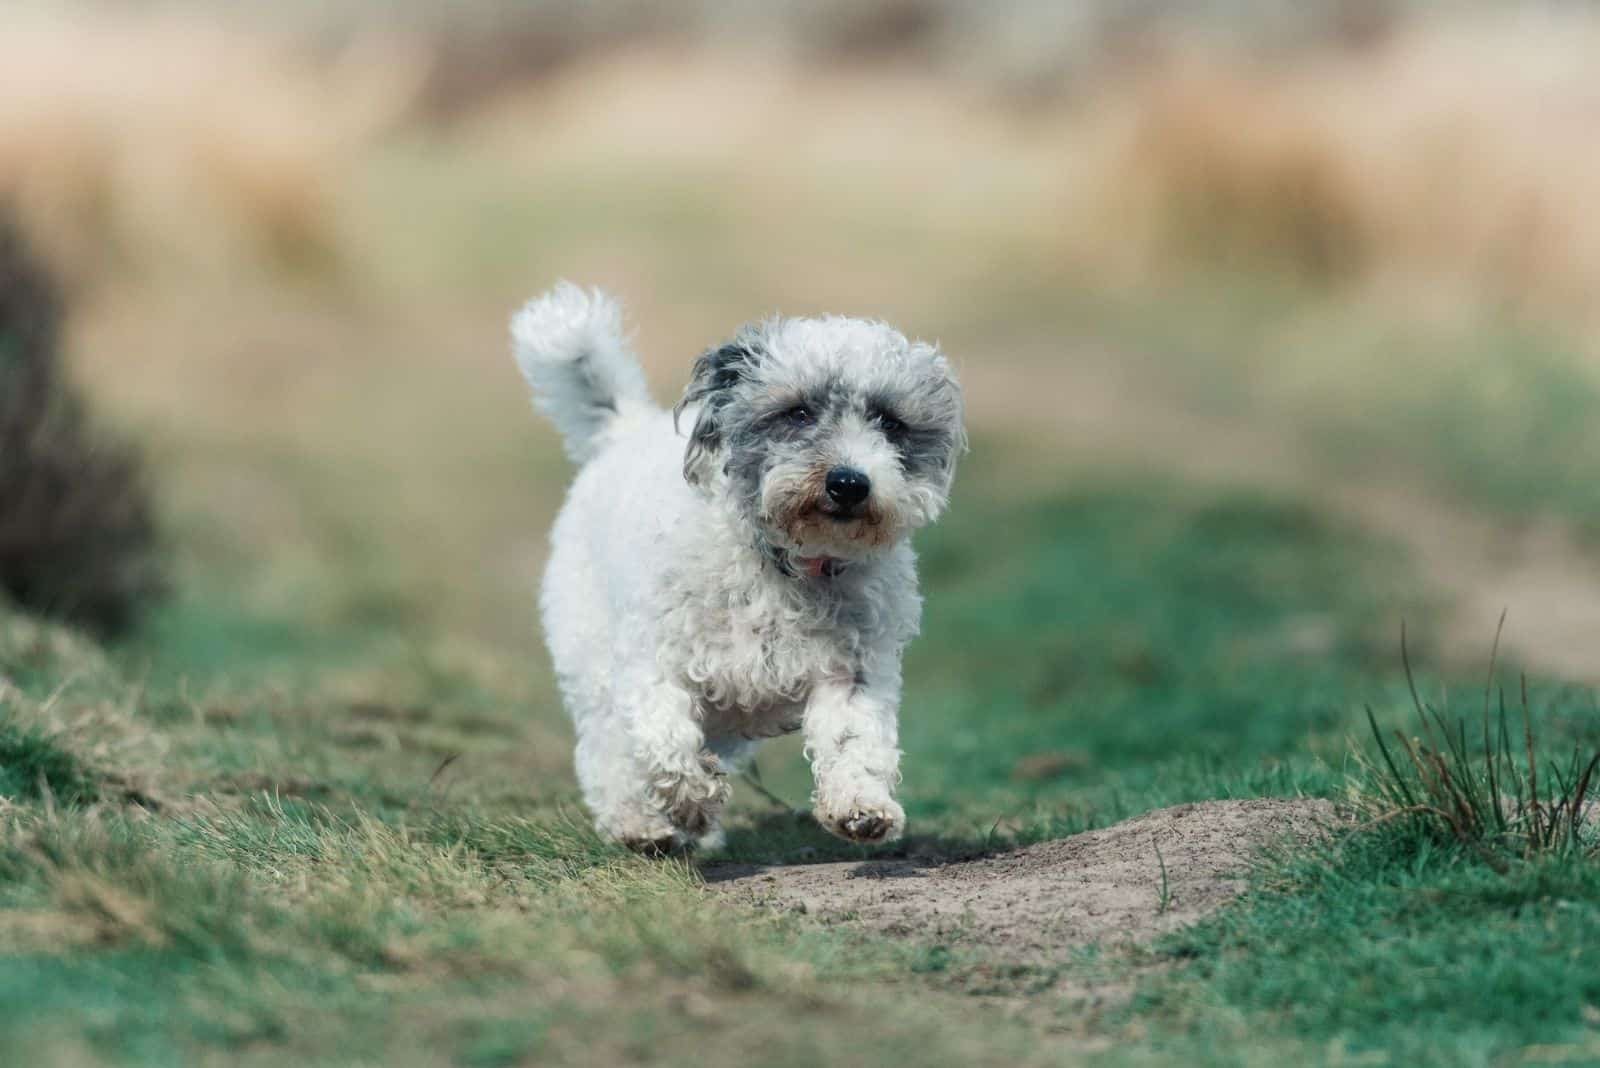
(571,350)
(708,591)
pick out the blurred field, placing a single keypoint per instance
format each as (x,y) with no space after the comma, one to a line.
(1442,160)
(1270,338)
(1235,250)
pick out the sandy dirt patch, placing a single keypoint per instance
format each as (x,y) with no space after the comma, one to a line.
(1034,903)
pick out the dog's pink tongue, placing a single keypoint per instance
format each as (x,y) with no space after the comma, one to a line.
(816,566)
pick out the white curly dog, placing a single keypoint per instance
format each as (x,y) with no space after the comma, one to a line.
(748,579)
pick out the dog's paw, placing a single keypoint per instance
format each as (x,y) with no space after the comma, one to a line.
(881,821)
(692,798)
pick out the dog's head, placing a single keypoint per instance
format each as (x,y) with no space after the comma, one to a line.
(834,437)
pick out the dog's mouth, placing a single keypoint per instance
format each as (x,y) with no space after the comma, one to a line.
(824,534)
(819,567)
(841,514)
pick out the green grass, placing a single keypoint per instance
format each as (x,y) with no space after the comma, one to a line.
(34,767)
(263,843)
(1486,793)
(1453,925)
(1393,947)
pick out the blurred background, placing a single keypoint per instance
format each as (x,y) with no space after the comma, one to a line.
(1279,324)
(1340,250)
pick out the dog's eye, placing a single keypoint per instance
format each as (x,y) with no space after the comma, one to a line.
(890,425)
(799,415)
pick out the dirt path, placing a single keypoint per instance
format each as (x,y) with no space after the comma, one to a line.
(1034,903)
(1091,406)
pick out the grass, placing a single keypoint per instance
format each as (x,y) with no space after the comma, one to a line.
(1487,798)
(1164,899)
(33,766)
(1479,405)
(1394,948)
(330,863)
(1449,926)
(1234,620)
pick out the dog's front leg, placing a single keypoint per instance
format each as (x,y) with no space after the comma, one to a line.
(851,735)
(683,778)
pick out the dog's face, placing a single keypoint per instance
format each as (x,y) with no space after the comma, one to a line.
(834,437)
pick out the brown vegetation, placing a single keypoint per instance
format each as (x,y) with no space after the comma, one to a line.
(128,140)
(77,535)
(1449,155)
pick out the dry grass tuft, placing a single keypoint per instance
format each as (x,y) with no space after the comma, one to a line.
(127,138)
(1453,151)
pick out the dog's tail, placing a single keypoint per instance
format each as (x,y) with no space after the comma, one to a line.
(570,346)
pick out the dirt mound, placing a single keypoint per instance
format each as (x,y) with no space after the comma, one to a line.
(1032,903)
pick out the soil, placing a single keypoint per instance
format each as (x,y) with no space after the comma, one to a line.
(1034,903)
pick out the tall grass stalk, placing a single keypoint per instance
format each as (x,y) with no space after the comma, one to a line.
(1491,800)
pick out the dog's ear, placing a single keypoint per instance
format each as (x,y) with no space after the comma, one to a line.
(716,372)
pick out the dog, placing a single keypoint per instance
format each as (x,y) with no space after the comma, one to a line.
(739,567)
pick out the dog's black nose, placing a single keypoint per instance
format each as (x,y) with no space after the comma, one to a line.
(847,486)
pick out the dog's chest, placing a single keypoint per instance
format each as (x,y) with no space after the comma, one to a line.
(751,656)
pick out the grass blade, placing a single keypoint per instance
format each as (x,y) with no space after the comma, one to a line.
(1495,807)
(1398,780)
(1533,767)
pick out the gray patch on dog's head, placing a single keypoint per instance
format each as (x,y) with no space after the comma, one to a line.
(710,386)
(788,399)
